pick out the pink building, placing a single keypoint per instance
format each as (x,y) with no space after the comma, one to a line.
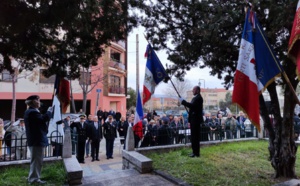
(111,69)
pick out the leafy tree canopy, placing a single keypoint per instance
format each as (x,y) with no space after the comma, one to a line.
(131,102)
(207,33)
(60,34)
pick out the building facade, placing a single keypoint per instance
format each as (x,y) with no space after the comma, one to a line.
(109,77)
(161,103)
(211,97)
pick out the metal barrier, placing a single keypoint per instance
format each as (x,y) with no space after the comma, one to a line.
(170,136)
(18,148)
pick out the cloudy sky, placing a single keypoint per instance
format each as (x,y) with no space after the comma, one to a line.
(194,75)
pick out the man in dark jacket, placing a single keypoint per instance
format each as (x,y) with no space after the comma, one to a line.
(36,125)
(110,133)
(100,114)
(122,127)
(164,133)
(95,136)
(105,115)
(195,119)
(81,128)
(118,116)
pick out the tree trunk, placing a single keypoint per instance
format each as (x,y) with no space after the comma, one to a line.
(282,146)
(84,101)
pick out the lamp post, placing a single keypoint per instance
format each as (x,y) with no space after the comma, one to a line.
(203,87)
(203,83)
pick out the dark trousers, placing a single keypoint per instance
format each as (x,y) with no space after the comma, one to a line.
(195,136)
(136,141)
(110,147)
(95,149)
(80,151)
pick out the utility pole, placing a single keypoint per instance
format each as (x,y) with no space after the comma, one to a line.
(137,64)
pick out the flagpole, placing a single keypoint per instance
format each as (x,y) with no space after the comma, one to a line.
(168,77)
(291,87)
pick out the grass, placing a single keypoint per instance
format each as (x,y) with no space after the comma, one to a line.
(240,163)
(53,173)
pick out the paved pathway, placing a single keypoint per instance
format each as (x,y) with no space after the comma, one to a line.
(109,172)
(91,168)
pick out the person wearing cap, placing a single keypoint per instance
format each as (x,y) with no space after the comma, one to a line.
(195,119)
(81,129)
(36,127)
(20,141)
(109,133)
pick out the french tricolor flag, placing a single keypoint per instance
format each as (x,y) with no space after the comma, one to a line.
(294,44)
(257,67)
(154,74)
(138,118)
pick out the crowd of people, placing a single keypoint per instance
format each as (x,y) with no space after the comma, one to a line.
(88,131)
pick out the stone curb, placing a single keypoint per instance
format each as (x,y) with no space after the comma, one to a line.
(170,178)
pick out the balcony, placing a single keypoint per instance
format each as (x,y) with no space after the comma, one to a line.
(116,90)
(117,65)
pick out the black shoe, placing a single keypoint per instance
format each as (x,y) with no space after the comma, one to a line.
(97,160)
(93,160)
(107,158)
(82,162)
(193,155)
(111,157)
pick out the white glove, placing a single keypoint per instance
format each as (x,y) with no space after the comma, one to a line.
(50,109)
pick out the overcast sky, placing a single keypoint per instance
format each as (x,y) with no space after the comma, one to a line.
(193,75)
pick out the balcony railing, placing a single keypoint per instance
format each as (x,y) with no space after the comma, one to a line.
(116,90)
(116,65)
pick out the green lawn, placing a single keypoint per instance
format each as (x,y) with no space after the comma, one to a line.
(53,173)
(240,163)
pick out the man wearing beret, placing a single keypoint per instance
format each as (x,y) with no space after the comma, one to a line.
(195,119)
(81,128)
(36,125)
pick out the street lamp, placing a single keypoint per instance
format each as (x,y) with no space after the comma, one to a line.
(203,87)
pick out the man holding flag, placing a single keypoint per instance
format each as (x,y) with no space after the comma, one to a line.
(36,125)
(195,119)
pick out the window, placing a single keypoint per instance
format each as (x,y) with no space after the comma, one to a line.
(6,76)
(115,56)
(43,79)
(115,81)
(213,95)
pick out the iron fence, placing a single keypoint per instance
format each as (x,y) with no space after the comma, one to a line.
(170,136)
(15,148)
